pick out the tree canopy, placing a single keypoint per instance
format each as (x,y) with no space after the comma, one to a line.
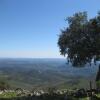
(80,41)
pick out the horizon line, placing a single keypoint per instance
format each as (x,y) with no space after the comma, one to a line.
(32,58)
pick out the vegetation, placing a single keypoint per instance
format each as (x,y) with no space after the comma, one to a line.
(42,74)
(8,95)
(4,85)
(48,96)
(80,41)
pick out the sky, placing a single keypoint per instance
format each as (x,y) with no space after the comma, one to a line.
(30,28)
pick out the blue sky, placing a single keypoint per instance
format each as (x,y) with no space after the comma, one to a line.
(30,28)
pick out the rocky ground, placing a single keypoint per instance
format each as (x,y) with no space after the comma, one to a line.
(79,94)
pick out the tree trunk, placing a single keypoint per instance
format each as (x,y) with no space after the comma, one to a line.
(98,78)
(90,90)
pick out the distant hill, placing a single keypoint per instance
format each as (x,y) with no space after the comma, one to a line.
(44,73)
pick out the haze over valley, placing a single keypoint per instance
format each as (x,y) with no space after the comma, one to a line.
(45,73)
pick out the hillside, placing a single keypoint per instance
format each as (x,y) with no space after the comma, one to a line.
(44,73)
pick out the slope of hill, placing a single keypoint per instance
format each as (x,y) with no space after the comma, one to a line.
(43,73)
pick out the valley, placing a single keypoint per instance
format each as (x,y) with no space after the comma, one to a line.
(45,73)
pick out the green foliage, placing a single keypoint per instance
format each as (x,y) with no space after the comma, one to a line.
(4,85)
(80,41)
(8,95)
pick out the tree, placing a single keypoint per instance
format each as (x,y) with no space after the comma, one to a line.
(98,78)
(80,41)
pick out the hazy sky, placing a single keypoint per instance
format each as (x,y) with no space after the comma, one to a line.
(30,28)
